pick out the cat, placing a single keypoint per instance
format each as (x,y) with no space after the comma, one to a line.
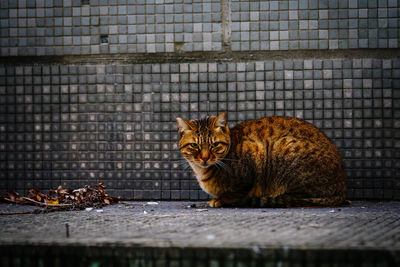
(268,162)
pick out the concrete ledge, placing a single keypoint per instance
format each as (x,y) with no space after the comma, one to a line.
(193,57)
(119,255)
(190,234)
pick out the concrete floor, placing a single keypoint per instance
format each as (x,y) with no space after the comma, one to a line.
(360,227)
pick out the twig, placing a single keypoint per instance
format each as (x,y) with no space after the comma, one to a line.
(18,202)
(46,204)
(37,202)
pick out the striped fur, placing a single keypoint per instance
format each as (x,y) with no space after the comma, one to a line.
(269,162)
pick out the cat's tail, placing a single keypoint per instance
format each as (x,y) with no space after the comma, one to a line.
(285,201)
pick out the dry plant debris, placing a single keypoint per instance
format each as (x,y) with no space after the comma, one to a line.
(64,199)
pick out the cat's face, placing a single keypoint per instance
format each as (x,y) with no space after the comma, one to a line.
(204,142)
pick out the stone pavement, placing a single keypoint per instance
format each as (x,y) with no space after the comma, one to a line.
(184,233)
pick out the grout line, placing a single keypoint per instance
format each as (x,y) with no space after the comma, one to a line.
(205,57)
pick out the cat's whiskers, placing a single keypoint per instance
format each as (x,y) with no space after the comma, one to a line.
(223,166)
(183,167)
(180,163)
(186,168)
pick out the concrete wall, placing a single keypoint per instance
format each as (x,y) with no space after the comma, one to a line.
(89,90)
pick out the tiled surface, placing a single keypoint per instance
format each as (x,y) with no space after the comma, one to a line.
(306,24)
(79,124)
(78,27)
(84,27)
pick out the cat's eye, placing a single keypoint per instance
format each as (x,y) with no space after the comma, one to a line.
(215,144)
(194,145)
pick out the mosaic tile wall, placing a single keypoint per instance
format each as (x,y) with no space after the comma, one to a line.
(82,27)
(79,27)
(79,124)
(307,24)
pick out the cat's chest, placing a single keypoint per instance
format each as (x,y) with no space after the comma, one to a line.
(208,179)
(210,187)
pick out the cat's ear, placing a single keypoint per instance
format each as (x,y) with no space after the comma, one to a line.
(182,125)
(221,119)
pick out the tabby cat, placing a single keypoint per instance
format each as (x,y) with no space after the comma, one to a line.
(269,162)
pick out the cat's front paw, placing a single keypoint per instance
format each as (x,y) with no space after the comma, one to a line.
(215,203)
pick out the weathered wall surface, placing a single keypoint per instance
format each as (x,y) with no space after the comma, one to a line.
(89,90)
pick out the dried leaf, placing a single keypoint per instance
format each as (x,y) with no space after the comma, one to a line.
(13,195)
(61,198)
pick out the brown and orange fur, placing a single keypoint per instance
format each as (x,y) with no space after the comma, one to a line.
(269,162)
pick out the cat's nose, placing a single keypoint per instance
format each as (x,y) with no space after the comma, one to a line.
(205,155)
